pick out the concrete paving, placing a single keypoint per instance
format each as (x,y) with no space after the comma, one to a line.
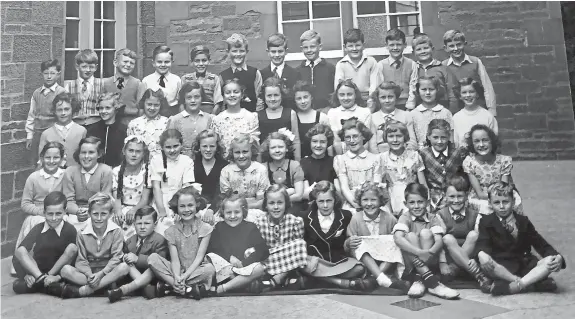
(547,189)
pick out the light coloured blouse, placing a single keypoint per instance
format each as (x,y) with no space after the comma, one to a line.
(149,130)
(229,125)
(251,182)
(400,171)
(422,116)
(179,172)
(487,173)
(358,168)
(133,185)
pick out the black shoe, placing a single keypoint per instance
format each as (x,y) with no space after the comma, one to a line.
(400,285)
(485,283)
(162,289)
(55,289)
(20,287)
(70,291)
(115,295)
(193,292)
(545,285)
(363,284)
(500,288)
(150,292)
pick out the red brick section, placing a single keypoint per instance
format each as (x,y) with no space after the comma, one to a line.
(31,33)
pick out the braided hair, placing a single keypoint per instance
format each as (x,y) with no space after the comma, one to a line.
(145,160)
(167,134)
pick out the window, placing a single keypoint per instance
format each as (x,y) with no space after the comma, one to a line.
(97,25)
(332,18)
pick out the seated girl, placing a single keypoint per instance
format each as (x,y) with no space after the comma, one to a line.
(486,167)
(370,237)
(236,248)
(131,184)
(188,273)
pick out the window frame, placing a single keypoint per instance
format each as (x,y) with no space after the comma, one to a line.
(86,28)
(330,54)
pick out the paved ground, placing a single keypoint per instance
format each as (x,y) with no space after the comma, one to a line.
(547,189)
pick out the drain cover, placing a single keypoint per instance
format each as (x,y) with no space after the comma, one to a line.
(415,304)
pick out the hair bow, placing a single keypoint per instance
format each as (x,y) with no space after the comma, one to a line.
(287,133)
(349,119)
(131,138)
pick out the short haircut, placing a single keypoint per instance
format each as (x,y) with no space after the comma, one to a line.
(199,49)
(368,186)
(265,148)
(101,198)
(67,98)
(477,86)
(203,135)
(158,94)
(55,198)
(459,181)
(50,145)
(146,211)
(243,138)
(111,96)
(89,140)
(86,56)
(387,85)
(437,84)
(355,124)
(162,49)
(500,189)
(304,86)
(232,198)
(50,63)
(395,34)
(310,35)
(189,87)
(416,189)
(394,126)
(277,40)
(421,38)
(350,84)
(277,188)
(273,82)
(438,124)
(495,143)
(325,187)
(453,35)
(127,53)
(321,128)
(237,40)
(201,203)
(353,35)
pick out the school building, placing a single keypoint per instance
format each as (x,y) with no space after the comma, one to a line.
(521,44)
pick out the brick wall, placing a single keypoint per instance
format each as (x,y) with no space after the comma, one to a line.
(31,33)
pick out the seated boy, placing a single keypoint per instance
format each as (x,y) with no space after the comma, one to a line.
(504,246)
(356,65)
(427,65)
(467,66)
(418,234)
(461,220)
(46,249)
(248,76)
(137,249)
(99,262)
(317,71)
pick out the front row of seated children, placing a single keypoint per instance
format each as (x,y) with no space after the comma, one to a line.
(326,243)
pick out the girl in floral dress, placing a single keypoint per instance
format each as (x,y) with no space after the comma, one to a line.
(401,165)
(485,167)
(150,125)
(235,120)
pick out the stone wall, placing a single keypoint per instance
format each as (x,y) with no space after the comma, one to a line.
(31,33)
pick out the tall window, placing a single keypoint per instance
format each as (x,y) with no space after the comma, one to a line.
(332,18)
(97,25)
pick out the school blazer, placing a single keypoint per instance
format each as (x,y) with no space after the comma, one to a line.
(156,243)
(328,246)
(289,77)
(508,251)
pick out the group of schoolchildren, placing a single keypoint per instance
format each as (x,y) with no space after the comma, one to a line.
(355,176)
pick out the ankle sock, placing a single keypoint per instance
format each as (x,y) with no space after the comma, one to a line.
(128,288)
(430,280)
(383,280)
(85,291)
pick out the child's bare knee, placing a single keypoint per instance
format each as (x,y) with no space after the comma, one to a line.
(412,237)
(483,258)
(449,240)
(425,234)
(123,268)
(66,270)
(153,260)
(71,250)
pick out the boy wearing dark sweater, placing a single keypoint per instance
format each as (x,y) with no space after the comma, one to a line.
(46,249)
(316,70)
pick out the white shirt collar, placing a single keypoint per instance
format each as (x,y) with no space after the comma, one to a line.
(346,58)
(244,67)
(46,89)
(185,113)
(315,62)
(466,58)
(63,127)
(392,114)
(461,212)
(91,171)
(58,228)
(279,69)
(351,109)
(89,230)
(353,155)
(436,108)
(367,219)
(436,153)
(56,174)
(425,217)
(90,81)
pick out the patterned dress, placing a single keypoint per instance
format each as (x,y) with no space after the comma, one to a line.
(400,171)
(132,189)
(150,130)
(229,125)
(357,169)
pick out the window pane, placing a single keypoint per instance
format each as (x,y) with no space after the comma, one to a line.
(109,10)
(403,6)
(97,9)
(97,34)
(330,31)
(293,31)
(325,9)
(295,10)
(70,72)
(98,73)
(72,33)
(406,23)
(373,30)
(107,63)
(109,35)
(370,7)
(73,9)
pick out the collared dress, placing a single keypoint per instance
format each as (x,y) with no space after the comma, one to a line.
(190,126)
(422,116)
(229,125)
(150,130)
(356,169)
(132,189)
(400,171)
(251,182)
